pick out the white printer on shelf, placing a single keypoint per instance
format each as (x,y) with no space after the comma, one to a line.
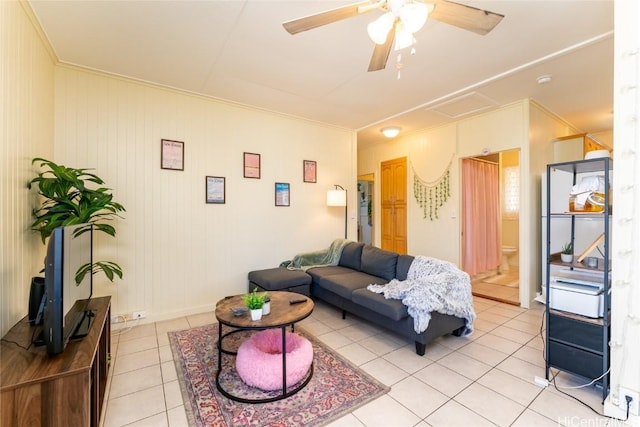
(577,291)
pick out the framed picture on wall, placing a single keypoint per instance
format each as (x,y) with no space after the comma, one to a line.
(215,189)
(251,165)
(282,194)
(172,155)
(309,171)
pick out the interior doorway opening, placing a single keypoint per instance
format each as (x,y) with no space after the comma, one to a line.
(365,208)
(495,237)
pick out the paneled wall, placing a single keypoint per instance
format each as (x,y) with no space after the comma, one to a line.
(180,255)
(26,130)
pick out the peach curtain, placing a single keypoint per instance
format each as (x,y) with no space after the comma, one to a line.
(481,231)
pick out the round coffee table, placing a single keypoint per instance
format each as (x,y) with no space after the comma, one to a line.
(283,314)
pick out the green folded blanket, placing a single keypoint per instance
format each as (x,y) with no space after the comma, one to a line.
(319,258)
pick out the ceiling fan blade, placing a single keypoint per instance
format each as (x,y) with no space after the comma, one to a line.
(465,17)
(381,52)
(309,22)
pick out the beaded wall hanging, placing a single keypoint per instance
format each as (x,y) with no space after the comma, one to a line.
(431,195)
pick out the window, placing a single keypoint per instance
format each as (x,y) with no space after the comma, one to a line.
(511,192)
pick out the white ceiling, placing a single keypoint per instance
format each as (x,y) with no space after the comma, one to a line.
(237,50)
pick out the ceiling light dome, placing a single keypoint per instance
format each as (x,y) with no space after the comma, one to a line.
(390,131)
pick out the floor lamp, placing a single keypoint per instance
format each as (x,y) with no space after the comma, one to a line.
(338,197)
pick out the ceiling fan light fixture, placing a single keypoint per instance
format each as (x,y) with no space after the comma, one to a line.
(390,131)
(414,16)
(379,29)
(404,38)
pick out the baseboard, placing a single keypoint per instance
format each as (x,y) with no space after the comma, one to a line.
(151,318)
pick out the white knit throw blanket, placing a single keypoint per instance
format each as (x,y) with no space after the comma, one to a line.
(432,285)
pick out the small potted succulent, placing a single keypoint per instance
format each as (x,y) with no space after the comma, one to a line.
(254,303)
(566,254)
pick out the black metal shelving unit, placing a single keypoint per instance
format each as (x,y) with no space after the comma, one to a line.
(578,344)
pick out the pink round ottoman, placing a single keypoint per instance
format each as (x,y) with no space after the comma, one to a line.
(259,359)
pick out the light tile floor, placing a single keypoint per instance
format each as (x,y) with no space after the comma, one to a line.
(486,379)
(502,287)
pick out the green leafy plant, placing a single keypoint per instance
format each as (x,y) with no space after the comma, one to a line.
(68,200)
(255,301)
(567,248)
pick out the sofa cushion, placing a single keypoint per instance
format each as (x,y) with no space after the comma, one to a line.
(329,270)
(351,256)
(345,284)
(394,309)
(402,268)
(279,278)
(379,262)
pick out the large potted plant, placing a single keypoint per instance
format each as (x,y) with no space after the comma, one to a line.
(69,200)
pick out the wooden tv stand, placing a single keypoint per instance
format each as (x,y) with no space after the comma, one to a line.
(61,390)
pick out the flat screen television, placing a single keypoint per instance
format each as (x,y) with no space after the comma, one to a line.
(66,315)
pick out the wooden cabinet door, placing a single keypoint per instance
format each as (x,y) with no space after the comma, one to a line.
(394,205)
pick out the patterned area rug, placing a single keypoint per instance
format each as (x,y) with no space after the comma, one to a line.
(337,386)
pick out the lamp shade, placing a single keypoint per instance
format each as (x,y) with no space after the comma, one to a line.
(336,198)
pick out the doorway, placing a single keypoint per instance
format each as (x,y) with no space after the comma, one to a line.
(393,221)
(490,225)
(365,208)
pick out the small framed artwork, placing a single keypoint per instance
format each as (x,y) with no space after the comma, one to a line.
(215,189)
(252,165)
(309,171)
(282,194)
(172,155)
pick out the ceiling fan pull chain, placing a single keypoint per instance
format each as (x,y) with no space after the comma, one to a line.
(399,64)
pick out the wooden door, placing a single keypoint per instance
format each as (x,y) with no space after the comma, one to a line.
(394,205)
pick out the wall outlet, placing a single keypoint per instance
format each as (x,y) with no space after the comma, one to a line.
(138,315)
(635,401)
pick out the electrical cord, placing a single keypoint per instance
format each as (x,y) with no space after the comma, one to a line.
(126,328)
(18,344)
(33,335)
(559,388)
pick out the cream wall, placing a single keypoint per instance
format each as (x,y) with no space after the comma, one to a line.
(544,127)
(428,153)
(179,254)
(26,129)
(625,294)
(523,126)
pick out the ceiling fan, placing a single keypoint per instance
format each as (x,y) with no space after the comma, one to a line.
(401,19)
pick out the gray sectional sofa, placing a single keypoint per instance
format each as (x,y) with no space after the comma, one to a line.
(345,286)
